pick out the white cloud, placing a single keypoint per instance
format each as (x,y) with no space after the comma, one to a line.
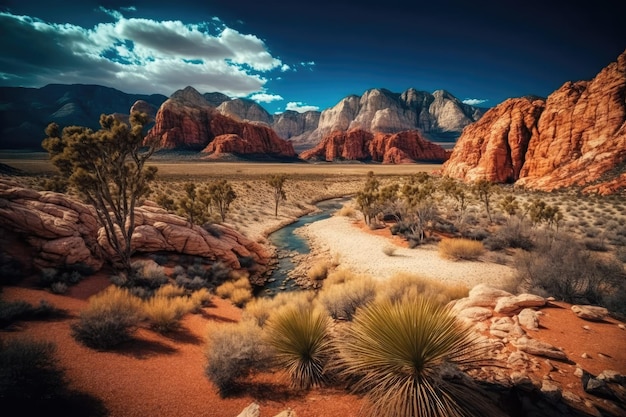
(285,67)
(134,55)
(265,98)
(300,107)
(474,101)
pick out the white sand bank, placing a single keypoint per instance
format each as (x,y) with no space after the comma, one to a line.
(362,252)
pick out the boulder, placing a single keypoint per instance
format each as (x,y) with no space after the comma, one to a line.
(253,410)
(506,305)
(592,313)
(475,313)
(529,319)
(538,348)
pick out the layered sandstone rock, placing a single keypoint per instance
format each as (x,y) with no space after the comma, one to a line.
(577,137)
(494,148)
(245,110)
(361,145)
(62,231)
(187,120)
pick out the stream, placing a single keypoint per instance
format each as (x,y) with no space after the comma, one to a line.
(288,243)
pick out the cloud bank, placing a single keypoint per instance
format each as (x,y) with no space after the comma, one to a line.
(300,107)
(135,55)
(265,98)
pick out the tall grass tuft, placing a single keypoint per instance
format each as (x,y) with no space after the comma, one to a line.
(262,308)
(402,286)
(300,338)
(342,300)
(405,357)
(109,319)
(164,313)
(457,249)
(239,291)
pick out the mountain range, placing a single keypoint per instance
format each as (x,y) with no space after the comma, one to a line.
(25,112)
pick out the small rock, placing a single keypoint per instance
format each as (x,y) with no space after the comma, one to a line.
(506,305)
(253,410)
(585,355)
(551,391)
(621,326)
(593,313)
(578,372)
(521,380)
(528,318)
(602,356)
(286,413)
(610,376)
(475,313)
(570,397)
(586,328)
(538,348)
(550,365)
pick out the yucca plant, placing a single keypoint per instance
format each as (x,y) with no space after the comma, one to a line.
(405,356)
(301,340)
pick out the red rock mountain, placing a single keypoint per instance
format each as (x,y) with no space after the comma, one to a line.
(360,145)
(187,120)
(577,137)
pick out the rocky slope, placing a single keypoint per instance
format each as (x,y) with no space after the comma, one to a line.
(577,137)
(25,112)
(187,120)
(62,231)
(439,116)
(361,145)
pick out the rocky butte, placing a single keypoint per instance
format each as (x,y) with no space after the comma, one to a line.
(188,121)
(361,145)
(576,137)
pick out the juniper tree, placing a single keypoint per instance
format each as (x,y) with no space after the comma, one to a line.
(277,182)
(107,169)
(221,194)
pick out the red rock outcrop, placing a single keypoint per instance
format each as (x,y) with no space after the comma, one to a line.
(361,145)
(581,134)
(63,231)
(579,138)
(494,148)
(187,120)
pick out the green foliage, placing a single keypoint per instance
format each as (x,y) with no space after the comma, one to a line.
(107,168)
(300,338)
(418,206)
(233,351)
(368,196)
(277,183)
(509,205)
(221,194)
(539,212)
(458,192)
(193,205)
(109,319)
(29,371)
(405,357)
(484,189)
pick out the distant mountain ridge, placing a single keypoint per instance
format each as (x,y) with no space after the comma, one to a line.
(25,112)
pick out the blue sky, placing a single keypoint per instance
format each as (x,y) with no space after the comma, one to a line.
(309,55)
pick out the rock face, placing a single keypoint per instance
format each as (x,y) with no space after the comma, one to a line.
(62,231)
(245,110)
(577,137)
(494,148)
(361,145)
(438,115)
(187,120)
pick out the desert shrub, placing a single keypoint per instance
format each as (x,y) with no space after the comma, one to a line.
(11,270)
(261,309)
(514,234)
(301,341)
(318,271)
(239,291)
(200,298)
(234,350)
(596,244)
(457,249)
(109,319)
(620,254)
(58,279)
(12,311)
(476,234)
(165,312)
(149,274)
(342,300)
(29,371)
(403,286)
(197,270)
(339,276)
(58,287)
(169,291)
(347,210)
(406,358)
(567,271)
(219,271)
(178,270)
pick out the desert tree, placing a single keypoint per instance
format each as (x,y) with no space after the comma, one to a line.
(457,192)
(418,202)
(221,195)
(509,205)
(193,204)
(484,189)
(277,182)
(367,198)
(108,169)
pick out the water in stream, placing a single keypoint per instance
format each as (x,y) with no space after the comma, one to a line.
(287,242)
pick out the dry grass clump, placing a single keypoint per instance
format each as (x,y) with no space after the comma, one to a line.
(347,210)
(261,309)
(200,298)
(164,313)
(233,351)
(405,286)
(339,276)
(109,319)
(238,291)
(342,300)
(318,271)
(389,250)
(457,249)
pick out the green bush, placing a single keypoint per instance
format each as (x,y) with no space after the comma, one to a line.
(405,356)
(233,351)
(110,319)
(300,338)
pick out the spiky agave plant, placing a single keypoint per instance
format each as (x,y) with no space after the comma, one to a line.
(300,338)
(404,355)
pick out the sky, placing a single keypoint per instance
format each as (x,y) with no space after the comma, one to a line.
(292,55)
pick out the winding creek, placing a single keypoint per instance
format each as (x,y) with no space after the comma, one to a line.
(289,243)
